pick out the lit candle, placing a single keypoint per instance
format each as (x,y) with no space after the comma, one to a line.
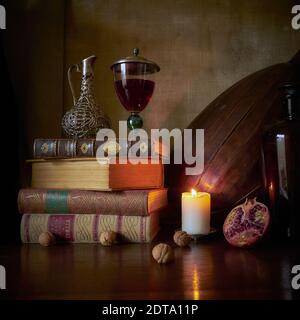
(195,212)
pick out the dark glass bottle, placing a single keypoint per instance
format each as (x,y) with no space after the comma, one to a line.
(281,167)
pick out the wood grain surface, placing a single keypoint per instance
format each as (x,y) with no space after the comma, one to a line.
(210,269)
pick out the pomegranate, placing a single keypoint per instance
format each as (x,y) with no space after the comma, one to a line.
(246,224)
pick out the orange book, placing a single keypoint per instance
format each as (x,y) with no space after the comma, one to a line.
(89,174)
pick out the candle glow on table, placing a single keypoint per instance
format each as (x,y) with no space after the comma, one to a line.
(195,212)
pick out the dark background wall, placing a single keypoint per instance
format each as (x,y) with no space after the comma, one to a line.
(31,78)
(34,49)
(202,47)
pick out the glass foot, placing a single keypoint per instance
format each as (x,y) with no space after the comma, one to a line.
(134,121)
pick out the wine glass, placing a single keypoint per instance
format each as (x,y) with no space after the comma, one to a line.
(134,85)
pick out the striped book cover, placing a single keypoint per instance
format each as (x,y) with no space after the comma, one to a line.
(86,228)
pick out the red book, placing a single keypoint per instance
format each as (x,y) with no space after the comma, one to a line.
(123,203)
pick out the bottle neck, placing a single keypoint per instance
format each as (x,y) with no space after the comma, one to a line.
(292,108)
(87,85)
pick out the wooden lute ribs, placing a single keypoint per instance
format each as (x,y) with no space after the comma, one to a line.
(233,124)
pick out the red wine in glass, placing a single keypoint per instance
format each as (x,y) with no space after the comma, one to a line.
(134,85)
(134,94)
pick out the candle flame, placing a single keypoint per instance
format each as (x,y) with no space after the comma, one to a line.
(194,192)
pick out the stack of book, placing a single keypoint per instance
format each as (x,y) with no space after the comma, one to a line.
(76,196)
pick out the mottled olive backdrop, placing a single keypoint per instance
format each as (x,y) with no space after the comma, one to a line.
(202,47)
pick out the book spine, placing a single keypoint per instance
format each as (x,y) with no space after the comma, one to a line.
(63,148)
(87,228)
(87,148)
(129,203)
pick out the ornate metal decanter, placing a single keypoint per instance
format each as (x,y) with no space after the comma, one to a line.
(85,118)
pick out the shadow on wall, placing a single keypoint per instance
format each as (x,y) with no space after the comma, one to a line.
(33,44)
(12,148)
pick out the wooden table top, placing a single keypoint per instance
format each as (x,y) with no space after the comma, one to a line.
(209,269)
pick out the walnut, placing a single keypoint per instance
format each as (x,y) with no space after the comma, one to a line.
(163,253)
(182,239)
(47,239)
(107,238)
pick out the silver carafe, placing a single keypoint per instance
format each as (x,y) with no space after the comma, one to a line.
(85,118)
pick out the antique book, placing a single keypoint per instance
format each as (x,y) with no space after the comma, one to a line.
(123,203)
(89,174)
(75,148)
(86,228)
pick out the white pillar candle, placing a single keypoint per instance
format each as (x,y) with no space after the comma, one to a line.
(195,212)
